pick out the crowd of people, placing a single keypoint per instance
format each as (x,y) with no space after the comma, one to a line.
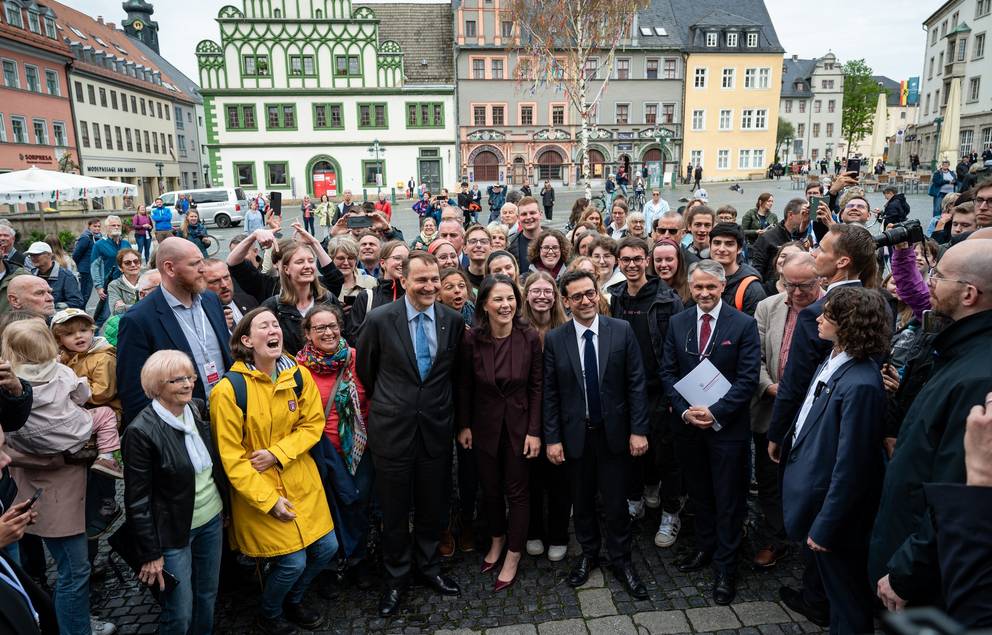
(316,404)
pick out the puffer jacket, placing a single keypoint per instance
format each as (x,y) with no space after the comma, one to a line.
(288,426)
(57,422)
(99,366)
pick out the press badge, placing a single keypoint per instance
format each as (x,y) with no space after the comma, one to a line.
(212,375)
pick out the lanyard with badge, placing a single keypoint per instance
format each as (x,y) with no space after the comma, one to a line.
(191,328)
(8,577)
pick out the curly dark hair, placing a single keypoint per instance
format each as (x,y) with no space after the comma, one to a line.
(862,319)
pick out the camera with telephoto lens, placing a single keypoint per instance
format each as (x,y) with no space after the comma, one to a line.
(909,231)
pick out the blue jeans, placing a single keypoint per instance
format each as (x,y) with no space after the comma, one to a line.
(352,520)
(13,553)
(937,200)
(86,285)
(144,245)
(72,588)
(308,224)
(190,606)
(290,575)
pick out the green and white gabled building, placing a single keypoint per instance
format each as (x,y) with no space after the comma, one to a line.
(298,92)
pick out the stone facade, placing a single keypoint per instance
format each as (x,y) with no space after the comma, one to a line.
(813,102)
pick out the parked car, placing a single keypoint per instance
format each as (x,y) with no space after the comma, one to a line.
(219,206)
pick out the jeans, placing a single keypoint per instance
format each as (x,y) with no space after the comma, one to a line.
(189,608)
(937,200)
(308,225)
(290,575)
(144,245)
(85,285)
(72,588)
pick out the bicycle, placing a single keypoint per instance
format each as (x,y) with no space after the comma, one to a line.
(637,201)
(599,201)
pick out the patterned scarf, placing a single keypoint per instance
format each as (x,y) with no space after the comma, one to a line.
(351,426)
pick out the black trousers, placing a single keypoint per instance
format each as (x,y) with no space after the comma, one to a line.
(845,579)
(548,209)
(716,477)
(549,484)
(419,478)
(506,475)
(771,528)
(813,591)
(599,470)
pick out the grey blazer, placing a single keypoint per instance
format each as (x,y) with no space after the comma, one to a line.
(770,315)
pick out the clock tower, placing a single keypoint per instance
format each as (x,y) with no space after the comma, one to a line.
(139,23)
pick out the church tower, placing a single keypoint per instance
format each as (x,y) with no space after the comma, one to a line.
(139,23)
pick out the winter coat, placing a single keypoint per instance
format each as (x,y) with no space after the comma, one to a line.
(896,209)
(751,223)
(99,366)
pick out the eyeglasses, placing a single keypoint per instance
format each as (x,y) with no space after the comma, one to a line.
(130,262)
(636,260)
(324,328)
(478,241)
(183,379)
(591,294)
(981,201)
(805,286)
(666,230)
(550,249)
(936,275)
(542,293)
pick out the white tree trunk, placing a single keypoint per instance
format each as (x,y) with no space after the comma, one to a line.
(584,142)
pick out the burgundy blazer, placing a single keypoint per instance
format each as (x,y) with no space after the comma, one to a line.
(483,406)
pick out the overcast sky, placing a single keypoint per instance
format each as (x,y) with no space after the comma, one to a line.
(887,33)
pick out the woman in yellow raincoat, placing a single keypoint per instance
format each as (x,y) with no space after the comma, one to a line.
(278,506)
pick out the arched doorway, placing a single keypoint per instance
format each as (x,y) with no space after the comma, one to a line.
(519,171)
(486,166)
(596,163)
(549,165)
(654,154)
(323,176)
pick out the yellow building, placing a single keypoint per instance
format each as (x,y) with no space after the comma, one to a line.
(732,86)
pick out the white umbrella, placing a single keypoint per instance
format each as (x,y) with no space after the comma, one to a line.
(878,128)
(41,186)
(950,133)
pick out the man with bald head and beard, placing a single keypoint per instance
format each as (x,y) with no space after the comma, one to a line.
(930,449)
(180,315)
(31,293)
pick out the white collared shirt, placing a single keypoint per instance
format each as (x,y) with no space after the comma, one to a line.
(835,362)
(841,283)
(713,313)
(235,312)
(580,340)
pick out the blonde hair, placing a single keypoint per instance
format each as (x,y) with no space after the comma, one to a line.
(28,342)
(159,366)
(287,292)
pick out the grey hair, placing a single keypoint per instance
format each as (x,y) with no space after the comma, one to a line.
(635,216)
(112,217)
(512,206)
(159,366)
(670,214)
(800,258)
(342,243)
(7,229)
(143,278)
(710,267)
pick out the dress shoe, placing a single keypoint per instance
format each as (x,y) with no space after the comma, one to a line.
(770,555)
(466,540)
(442,584)
(303,617)
(627,575)
(389,603)
(724,588)
(579,574)
(795,601)
(278,626)
(488,566)
(446,548)
(695,561)
(504,584)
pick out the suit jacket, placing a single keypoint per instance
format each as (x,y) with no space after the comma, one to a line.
(16,618)
(736,353)
(400,403)
(622,390)
(486,407)
(806,353)
(834,471)
(770,316)
(244,302)
(151,325)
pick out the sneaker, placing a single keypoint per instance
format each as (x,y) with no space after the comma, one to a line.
(557,553)
(535,547)
(109,467)
(668,530)
(636,509)
(652,496)
(99,627)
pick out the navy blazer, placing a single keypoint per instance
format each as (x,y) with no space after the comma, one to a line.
(622,389)
(151,325)
(736,353)
(833,474)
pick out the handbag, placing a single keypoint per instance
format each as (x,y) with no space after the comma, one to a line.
(85,455)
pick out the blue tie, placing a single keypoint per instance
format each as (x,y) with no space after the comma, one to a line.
(592,381)
(422,349)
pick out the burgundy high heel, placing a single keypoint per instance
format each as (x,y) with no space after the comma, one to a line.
(500,584)
(488,566)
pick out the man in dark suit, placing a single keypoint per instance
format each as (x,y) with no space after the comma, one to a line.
(595,422)
(234,301)
(406,360)
(182,315)
(713,440)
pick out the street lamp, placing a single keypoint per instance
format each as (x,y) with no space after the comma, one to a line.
(376,150)
(936,144)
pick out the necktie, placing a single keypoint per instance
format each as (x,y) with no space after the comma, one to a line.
(421,347)
(704,333)
(592,380)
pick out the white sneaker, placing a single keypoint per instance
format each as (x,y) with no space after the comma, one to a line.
(99,627)
(557,553)
(636,509)
(652,497)
(535,547)
(668,530)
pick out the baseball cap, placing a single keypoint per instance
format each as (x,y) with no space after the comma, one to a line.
(38,248)
(67,314)
(701,195)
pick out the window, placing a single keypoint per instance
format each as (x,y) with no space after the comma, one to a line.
(752,40)
(967,140)
(79,91)
(817,104)
(973,88)
(816,130)
(830,130)
(158,108)
(130,141)
(19,129)
(506,29)
(940,63)
(479,115)
(148,145)
(943,28)
(726,118)
(954,20)
(814,153)
(743,159)
(372,115)
(982,8)
(302,66)
(933,37)
(557,115)
(802,105)
(936,100)
(623,114)
(33,22)
(668,113)
(696,157)
(50,30)
(497,66)
(831,105)
(470,30)
(280,117)
(930,72)
(986,138)
(759,158)
(828,84)
(592,68)
(134,104)
(162,137)
(978,51)
(347,66)
(425,115)
(137,139)
(10,79)
(31,75)
(97,143)
(669,68)
(113,99)
(14,15)
(373,173)
(711,39)
(84,133)
(764,77)
(255,65)
(651,69)
(499,116)
(244,173)
(800,129)
(179,117)
(699,79)
(623,68)
(728,78)
(651,113)
(40,131)
(723,159)
(526,115)
(747,119)
(120,138)
(788,105)
(478,69)
(750,77)
(144,108)
(761,119)
(732,40)
(240,117)
(328,117)
(276,174)
(103,97)
(698,119)
(107,137)
(962,47)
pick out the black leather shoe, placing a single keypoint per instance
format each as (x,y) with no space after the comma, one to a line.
(579,574)
(442,584)
(303,617)
(389,603)
(792,598)
(724,588)
(694,561)
(627,575)
(278,626)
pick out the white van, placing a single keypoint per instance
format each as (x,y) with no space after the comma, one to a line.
(219,206)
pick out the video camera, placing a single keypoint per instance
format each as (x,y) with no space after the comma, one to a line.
(909,231)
